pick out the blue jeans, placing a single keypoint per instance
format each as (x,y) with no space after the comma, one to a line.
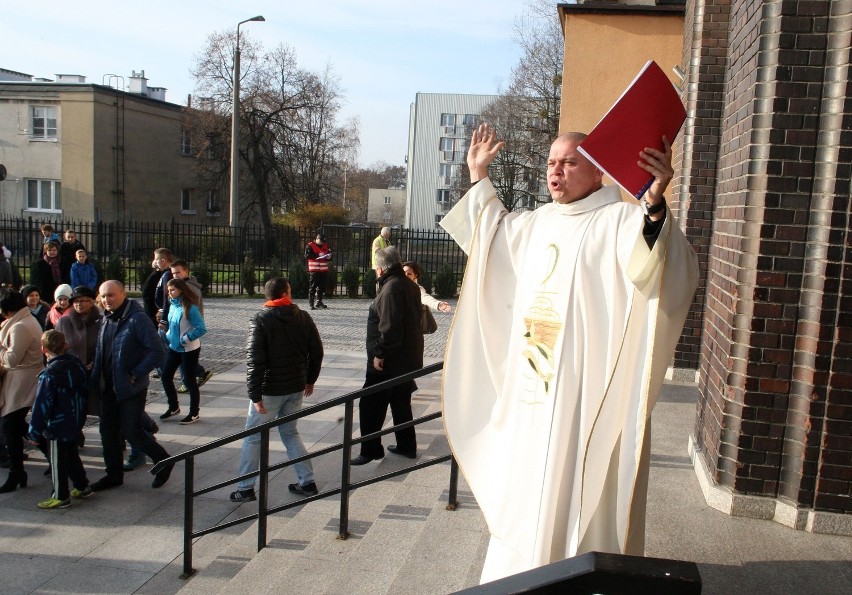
(276,406)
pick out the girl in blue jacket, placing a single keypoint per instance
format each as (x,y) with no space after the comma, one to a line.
(185,328)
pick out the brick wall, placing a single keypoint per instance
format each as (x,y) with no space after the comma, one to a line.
(765,194)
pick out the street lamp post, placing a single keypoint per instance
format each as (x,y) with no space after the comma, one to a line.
(235,128)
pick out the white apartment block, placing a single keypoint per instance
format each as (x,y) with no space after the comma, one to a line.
(439,131)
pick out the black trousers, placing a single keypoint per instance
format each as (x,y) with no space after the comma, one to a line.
(65,463)
(317,287)
(187,360)
(373,409)
(15,428)
(123,420)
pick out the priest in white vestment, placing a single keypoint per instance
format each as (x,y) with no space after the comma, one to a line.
(566,323)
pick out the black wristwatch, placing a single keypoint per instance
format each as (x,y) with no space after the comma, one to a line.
(653,210)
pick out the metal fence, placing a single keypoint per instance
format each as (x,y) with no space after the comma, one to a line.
(224,249)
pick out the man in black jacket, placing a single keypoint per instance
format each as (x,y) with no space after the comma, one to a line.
(283,356)
(394,347)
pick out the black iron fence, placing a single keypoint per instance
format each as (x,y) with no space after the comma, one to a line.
(223,250)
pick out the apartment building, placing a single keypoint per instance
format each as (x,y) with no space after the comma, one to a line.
(78,150)
(439,130)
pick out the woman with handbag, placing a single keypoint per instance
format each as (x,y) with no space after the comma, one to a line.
(412,271)
(185,328)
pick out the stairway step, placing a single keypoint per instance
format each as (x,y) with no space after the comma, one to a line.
(402,539)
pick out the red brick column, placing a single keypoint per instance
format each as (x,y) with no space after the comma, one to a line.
(766,184)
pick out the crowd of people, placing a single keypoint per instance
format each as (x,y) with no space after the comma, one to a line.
(73,345)
(67,353)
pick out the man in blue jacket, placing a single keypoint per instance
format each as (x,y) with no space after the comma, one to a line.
(128,349)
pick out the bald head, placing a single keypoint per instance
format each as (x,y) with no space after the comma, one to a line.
(574,137)
(570,175)
(112,295)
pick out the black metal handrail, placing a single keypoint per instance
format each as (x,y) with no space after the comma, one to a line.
(346,486)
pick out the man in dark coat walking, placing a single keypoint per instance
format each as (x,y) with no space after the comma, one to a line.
(394,347)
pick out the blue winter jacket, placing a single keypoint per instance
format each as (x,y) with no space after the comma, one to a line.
(59,411)
(136,350)
(84,274)
(183,333)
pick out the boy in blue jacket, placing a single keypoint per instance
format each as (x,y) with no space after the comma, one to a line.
(59,413)
(83,272)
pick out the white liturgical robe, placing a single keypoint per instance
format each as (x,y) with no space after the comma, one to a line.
(565,326)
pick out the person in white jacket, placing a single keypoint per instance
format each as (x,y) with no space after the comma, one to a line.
(412,271)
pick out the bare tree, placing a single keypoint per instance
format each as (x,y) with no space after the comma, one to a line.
(289,136)
(526,115)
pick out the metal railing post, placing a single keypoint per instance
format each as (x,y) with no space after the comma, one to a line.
(343,531)
(453,498)
(188,482)
(263,489)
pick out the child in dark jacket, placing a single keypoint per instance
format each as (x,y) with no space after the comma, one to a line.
(59,413)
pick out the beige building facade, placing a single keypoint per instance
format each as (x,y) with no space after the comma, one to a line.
(386,206)
(607,44)
(91,152)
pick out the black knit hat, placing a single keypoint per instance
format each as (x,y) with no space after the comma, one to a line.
(83,291)
(28,289)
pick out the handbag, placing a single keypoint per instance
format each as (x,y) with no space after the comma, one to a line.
(427,322)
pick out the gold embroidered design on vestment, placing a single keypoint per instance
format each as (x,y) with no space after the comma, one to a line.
(543,325)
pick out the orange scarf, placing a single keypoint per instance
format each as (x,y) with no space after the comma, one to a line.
(284,301)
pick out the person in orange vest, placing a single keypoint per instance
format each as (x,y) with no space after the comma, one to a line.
(318,255)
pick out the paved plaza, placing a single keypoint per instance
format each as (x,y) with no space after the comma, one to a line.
(128,540)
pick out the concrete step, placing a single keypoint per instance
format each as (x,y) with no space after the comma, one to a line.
(403,540)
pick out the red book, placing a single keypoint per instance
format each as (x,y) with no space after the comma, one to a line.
(649,109)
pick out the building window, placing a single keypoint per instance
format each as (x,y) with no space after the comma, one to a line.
(186,196)
(44,195)
(43,122)
(443,197)
(447,147)
(470,120)
(213,207)
(448,124)
(445,173)
(438,218)
(185,142)
(387,200)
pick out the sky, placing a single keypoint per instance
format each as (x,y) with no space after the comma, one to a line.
(382,51)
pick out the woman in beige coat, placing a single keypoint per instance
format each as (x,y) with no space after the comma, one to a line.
(21,361)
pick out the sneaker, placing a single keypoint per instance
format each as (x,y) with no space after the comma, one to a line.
(54,503)
(170,413)
(243,496)
(189,419)
(182,388)
(202,379)
(84,493)
(309,489)
(134,462)
(323,306)
(155,375)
